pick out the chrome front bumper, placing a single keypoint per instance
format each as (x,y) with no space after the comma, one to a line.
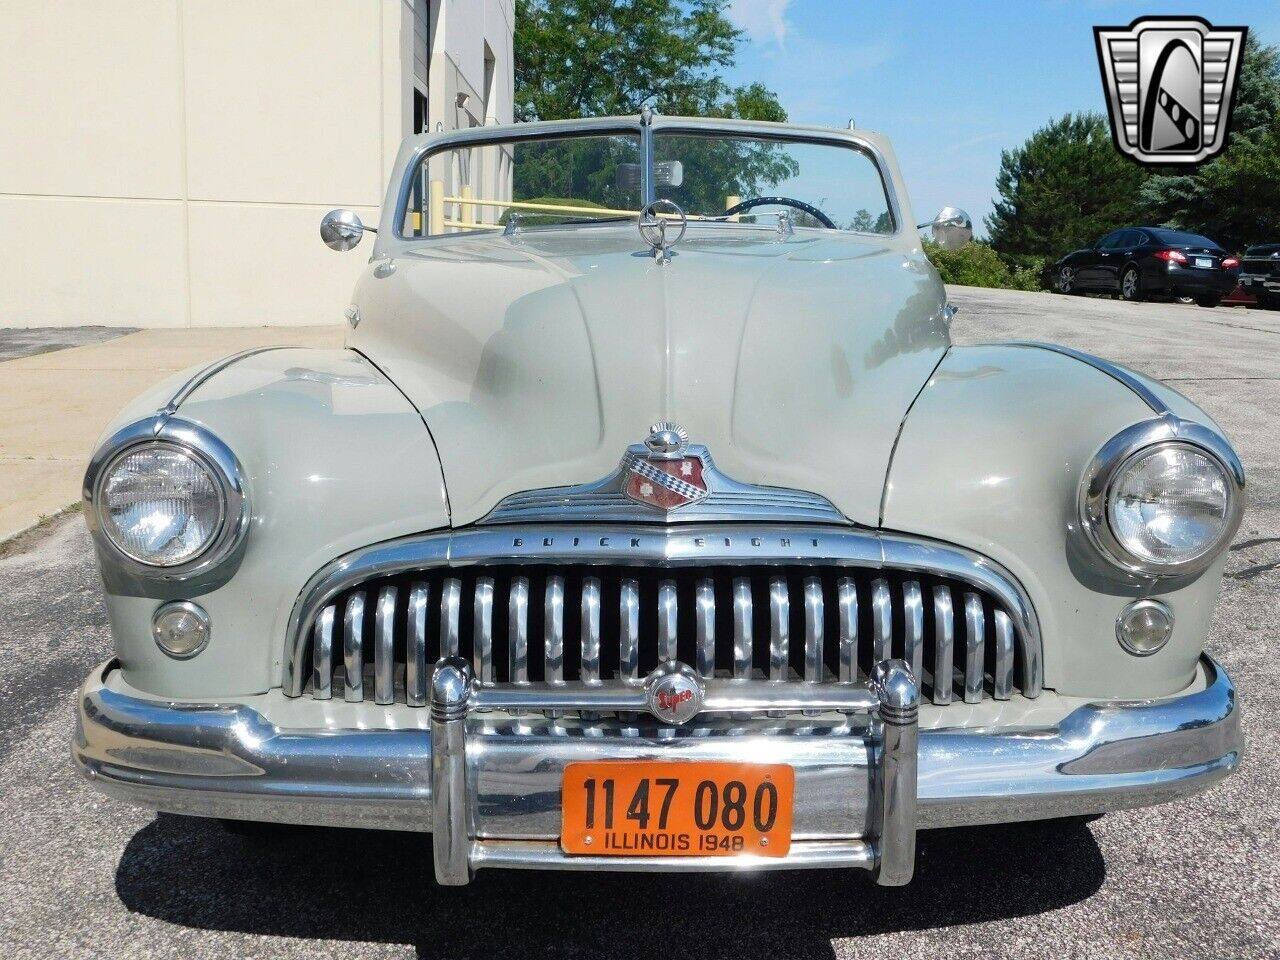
(486,778)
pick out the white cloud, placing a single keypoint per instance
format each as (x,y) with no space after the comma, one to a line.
(764,20)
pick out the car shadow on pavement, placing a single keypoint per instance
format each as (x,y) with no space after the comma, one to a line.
(369,886)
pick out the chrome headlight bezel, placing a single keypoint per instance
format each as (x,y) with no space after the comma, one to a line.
(1140,440)
(211,453)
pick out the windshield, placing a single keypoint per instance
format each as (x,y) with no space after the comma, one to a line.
(594,178)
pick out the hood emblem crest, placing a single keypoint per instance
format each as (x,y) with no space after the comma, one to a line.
(666,475)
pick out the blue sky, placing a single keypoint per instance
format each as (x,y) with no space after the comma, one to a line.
(951,84)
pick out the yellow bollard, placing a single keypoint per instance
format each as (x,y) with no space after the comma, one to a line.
(435,221)
(468,209)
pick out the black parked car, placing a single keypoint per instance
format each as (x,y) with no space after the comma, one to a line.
(1141,262)
(1260,274)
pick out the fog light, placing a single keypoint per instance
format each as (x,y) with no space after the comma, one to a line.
(1144,627)
(181,629)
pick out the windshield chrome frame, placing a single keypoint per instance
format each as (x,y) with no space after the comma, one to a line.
(646,128)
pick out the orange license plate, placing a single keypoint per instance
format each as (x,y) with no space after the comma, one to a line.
(675,808)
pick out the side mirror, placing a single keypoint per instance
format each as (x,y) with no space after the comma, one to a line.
(952,228)
(342,229)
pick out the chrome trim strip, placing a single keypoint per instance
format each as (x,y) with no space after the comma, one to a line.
(847,598)
(450,615)
(322,655)
(719,696)
(384,650)
(590,645)
(482,654)
(668,612)
(208,373)
(1002,679)
(913,645)
(629,629)
(975,634)
(674,547)
(743,640)
(353,649)
(416,674)
(553,629)
(1115,372)
(944,645)
(779,630)
(704,621)
(518,629)
(881,620)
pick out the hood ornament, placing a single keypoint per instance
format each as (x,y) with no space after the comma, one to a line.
(666,475)
(664,478)
(657,220)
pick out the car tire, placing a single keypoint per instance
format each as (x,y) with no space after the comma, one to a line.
(1208,301)
(1131,284)
(1065,280)
(1187,300)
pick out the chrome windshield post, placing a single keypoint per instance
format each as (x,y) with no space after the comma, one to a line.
(450,814)
(647,192)
(895,798)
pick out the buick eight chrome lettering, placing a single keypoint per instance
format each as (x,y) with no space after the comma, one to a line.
(649,520)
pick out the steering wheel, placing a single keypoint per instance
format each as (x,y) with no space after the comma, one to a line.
(808,208)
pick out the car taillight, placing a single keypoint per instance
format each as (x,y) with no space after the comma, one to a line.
(1229,262)
(1172,256)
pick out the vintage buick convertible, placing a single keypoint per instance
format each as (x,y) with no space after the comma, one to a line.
(650,521)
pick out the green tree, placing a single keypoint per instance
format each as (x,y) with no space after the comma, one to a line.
(1233,197)
(1062,189)
(583,58)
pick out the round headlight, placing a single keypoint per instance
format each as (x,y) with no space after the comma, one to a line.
(1163,498)
(160,504)
(1170,505)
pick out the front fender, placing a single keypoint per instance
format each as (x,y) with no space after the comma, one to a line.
(334,458)
(991,457)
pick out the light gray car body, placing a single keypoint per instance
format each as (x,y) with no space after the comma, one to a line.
(483,366)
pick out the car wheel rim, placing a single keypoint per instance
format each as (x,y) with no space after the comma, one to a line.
(1130,284)
(1066,278)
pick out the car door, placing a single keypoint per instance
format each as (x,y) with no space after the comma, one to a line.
(1125,246)
(1092,268)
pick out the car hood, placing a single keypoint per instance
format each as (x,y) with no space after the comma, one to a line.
(535,361)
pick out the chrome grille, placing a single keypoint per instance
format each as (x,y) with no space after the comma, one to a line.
(593,624)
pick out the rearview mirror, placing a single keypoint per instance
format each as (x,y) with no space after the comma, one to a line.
(951,228)
(342,229)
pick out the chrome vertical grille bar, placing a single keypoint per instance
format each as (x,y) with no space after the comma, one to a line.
(553,630)
(779,629)
(415,653)
(450,606)
(881,621)
(667,614)
(322,656)
(975,627)
(518,629)
(1003,678)
(482,631)
(384,647)
(704,619)
(353,649)
(913,608)
(813,629)
(629,630)
(847,600)
(742,636)
(944,634)
(591,629)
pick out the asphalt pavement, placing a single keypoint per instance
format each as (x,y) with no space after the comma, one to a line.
(84,876)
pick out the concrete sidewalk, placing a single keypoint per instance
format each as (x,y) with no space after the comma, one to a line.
(53,406)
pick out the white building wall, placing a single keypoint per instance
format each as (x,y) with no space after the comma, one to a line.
(167,162)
